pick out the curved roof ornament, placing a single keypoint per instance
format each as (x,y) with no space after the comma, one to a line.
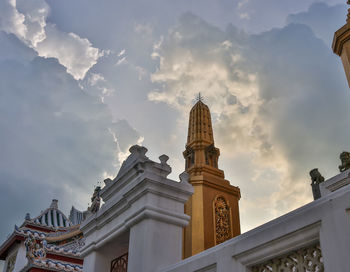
(53,217)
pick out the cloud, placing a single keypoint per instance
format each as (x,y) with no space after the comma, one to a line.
(56,138)
(270,95)
(73,52)
(27,20)
(125,136)
(323,19)
(11,20)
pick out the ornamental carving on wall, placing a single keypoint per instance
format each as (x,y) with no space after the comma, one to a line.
(223,228)
(308,259)
(120,264)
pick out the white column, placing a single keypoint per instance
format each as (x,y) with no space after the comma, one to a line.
(154,244)
(21,259)
(96,261)
(335,239)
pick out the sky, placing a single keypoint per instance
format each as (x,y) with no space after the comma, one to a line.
(82,81)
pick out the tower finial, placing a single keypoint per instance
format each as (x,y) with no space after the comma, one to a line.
(200,97)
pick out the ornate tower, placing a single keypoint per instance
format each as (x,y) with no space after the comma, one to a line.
(341,45)
(214,205)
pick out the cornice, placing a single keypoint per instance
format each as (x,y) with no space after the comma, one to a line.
(341,36)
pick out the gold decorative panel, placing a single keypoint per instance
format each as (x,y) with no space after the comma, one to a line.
(223,230)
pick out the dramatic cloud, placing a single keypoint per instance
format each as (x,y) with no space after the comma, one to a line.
(11,20)
(269,94)
(27,20)
(83,80)
(57,140)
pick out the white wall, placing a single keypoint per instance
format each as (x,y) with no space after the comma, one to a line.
(326,220)
(145,210)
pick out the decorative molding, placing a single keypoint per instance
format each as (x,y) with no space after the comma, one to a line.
(304,259)
(277,247)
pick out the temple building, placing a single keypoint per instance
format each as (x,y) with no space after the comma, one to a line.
(47,242)
(213,207)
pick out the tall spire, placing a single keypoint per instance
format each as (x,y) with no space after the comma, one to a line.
(200,150)
(199,125)
(214,199)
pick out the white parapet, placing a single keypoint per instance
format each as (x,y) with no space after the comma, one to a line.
(334,183)
(315,237)
(143,215)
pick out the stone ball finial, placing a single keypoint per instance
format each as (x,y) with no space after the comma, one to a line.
(163,159)
(107,181)
(140,150)
(184,177)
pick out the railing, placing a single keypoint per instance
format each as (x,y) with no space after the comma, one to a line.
(308,259)
(120,264)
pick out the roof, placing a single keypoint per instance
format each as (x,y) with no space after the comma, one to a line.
(53,265)
(60,239)
(52,217)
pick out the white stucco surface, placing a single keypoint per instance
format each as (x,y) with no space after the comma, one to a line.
(334,183)
(143,215)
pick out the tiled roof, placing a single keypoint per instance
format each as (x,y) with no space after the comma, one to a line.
(26,231)
(52,217)
(57,265)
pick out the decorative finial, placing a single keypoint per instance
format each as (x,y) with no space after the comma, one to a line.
(95,200)
(54,204)
(27,217)
(200,97)
(345,161)
(316,179)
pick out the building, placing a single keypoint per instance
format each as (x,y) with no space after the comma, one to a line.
(50,241)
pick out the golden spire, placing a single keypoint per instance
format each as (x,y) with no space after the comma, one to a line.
(211,190)
(199,125)
(200,151)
